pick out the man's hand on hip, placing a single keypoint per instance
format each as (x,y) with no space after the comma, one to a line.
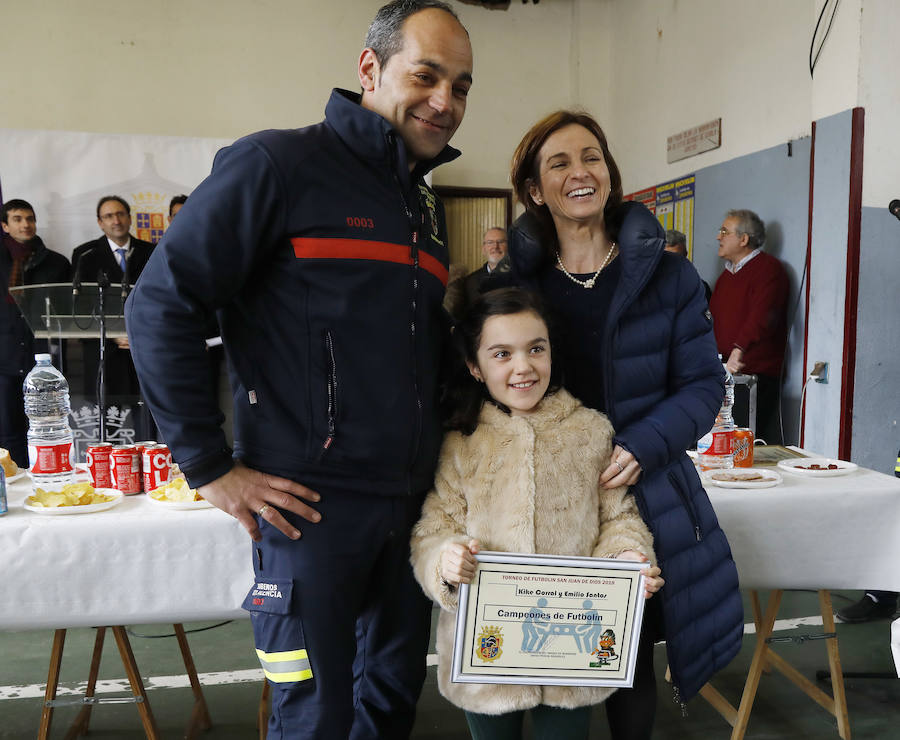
(243,492)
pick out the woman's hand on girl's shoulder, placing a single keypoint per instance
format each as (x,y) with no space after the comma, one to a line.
(458,562)
(653,580)
(623,469)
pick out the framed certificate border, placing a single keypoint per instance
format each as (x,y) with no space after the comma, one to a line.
(549,620)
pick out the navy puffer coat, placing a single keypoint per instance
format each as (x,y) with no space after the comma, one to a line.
(663,388)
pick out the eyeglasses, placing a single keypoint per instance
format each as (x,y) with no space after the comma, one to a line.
(725,232)
(493,242)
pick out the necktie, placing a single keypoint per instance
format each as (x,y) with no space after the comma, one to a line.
(121,257)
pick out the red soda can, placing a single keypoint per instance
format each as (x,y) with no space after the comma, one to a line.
(125,464)
(100,465)
(156,463)
(743,448)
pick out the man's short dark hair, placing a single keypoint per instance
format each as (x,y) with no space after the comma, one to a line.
(385,35)
(178,200)
(107,198)
(16,204)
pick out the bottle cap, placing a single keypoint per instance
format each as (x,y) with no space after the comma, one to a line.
(42,357)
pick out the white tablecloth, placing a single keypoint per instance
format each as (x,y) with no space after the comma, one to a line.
(841,532)
(130,564)
(137,564)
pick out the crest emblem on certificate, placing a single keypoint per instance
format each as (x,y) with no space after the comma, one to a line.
(490,643)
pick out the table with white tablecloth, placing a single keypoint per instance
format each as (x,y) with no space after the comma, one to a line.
(818,533)
(134,563)
(840,532)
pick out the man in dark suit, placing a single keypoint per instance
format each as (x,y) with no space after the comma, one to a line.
(115,255)
(493,246)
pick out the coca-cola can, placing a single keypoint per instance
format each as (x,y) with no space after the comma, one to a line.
(156,463)
(99,465)
(125,464)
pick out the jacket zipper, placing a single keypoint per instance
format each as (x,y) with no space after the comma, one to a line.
(688,505)
(414,256)
(331,389)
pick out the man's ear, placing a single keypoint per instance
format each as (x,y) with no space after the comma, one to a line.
(369,69)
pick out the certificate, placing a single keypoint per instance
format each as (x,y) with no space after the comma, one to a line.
(549,620)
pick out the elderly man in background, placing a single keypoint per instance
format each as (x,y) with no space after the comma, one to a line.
(749,308)
(493,247)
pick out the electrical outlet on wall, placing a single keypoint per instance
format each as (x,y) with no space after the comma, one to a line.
(820,371)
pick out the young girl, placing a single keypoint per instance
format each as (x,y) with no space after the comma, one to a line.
(519,473)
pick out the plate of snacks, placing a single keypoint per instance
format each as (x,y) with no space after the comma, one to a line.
(75,498)
(177,494)
(742,478)
(817,467)
(19,474)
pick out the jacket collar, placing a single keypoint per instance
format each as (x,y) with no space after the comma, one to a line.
(372,137)
(554,408)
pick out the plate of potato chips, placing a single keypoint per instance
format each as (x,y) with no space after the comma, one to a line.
(75,498)
(177,494)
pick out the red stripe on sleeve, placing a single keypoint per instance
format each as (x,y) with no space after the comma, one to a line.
(360,249)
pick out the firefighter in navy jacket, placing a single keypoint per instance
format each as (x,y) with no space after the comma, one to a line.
(324,254)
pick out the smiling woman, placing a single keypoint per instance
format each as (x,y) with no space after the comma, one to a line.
(636,342)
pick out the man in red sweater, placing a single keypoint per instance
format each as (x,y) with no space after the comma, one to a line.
(749,308)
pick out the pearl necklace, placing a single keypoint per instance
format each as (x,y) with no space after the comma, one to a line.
(589,283)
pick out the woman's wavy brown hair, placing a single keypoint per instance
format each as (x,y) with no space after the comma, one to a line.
(524,171)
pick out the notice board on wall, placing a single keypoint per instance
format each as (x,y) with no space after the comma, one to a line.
(673,205)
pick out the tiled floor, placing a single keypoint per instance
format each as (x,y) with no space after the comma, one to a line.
(225,659)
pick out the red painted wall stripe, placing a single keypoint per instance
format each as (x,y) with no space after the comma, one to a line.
(851,295)
(809,226)
(360,249)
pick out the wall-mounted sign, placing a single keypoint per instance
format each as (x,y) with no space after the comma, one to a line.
(694,140)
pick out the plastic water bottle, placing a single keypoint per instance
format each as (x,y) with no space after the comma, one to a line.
(716,448)
(51,454)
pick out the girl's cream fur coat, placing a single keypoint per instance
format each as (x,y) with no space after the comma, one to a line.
(525,484)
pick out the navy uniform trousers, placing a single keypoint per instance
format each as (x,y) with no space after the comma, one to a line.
(341,627)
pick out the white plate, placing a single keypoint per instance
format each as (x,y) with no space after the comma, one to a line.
(179,505)
(770,478)
(87,509)
(17,476)
(794,466)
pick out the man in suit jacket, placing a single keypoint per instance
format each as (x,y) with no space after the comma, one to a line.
(493,246)
(116,255)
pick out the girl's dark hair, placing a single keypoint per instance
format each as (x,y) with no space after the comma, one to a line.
(464,395)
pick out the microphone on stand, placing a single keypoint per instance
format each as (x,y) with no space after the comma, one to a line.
(76,280)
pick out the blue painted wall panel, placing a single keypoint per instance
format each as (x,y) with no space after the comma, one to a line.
(776,186)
